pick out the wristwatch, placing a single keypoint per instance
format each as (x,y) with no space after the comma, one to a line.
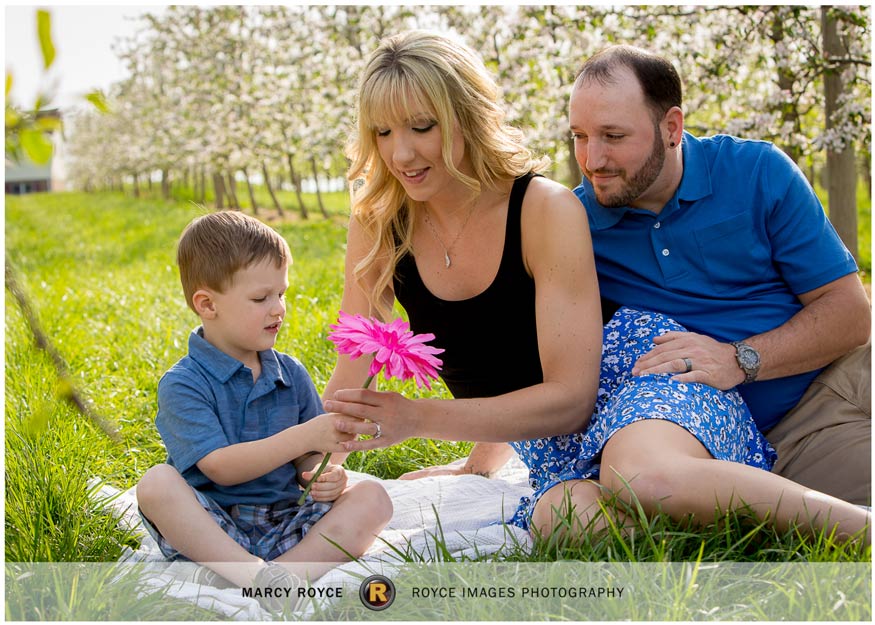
(748,359)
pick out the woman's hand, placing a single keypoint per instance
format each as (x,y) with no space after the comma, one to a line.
(388,418)
(323,434)
(441,469)
(330,484)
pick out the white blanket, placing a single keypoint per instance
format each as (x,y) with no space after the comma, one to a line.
(463,512)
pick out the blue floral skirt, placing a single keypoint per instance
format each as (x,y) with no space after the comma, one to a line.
(720,420)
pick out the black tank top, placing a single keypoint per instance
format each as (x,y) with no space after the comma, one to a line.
(490,340)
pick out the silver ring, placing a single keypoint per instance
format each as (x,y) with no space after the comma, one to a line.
(379,430)
(689,365)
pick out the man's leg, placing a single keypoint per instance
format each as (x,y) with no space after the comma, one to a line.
(825,442)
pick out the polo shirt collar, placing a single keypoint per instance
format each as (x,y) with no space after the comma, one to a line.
(222,366)
(600,217)
(695,184)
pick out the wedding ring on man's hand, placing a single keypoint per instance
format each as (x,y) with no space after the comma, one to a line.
(379,431)
(688,364)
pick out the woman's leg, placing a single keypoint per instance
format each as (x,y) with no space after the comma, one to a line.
(552,509)
(669,470)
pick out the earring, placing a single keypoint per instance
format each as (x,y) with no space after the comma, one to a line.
(671,144)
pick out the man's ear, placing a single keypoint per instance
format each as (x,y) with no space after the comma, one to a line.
(673,122)
(204,304)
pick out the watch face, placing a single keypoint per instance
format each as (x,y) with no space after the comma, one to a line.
(748,357)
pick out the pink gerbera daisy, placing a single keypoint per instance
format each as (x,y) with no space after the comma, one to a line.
(397,351)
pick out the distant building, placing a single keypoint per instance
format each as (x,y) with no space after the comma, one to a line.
(27,177)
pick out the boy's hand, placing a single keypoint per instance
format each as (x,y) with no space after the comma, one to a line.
(330,484)
(324,437)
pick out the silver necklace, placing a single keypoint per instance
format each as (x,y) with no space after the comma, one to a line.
(448,248)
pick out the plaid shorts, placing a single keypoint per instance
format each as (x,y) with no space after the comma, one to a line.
(264,530)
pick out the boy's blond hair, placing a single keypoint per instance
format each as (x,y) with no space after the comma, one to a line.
(213,247)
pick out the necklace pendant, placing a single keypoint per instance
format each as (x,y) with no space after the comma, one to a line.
(447,259)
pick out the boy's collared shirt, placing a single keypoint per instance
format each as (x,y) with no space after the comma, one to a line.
(208,400)
(727,255)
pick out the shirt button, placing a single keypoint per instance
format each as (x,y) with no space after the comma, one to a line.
(665,252)
(657,225)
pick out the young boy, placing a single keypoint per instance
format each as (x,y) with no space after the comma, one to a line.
(243,424)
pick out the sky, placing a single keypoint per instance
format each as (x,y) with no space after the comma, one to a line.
(83,37)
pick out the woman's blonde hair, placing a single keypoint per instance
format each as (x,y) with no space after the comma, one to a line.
(410,73)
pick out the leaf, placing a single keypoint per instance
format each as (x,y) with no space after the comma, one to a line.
(48,123)
(8,83)
(44,32)
(36,145)
(98,100)
(12,118)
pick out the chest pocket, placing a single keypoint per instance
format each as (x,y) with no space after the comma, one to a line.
(269,415)
(733,253)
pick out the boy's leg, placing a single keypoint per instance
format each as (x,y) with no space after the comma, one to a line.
(170,504)
(353,522)
(825,442)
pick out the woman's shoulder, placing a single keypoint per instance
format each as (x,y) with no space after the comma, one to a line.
(546,197)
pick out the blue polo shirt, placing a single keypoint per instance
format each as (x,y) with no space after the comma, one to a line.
(208,400)
(727,256)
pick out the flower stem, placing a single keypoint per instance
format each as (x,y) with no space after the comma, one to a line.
(325,460)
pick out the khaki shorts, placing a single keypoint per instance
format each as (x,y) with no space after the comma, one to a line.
(825,442)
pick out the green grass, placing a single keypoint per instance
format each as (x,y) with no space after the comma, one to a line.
(100,273)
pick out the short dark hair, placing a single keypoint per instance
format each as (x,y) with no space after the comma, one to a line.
(658,78)
(214,246)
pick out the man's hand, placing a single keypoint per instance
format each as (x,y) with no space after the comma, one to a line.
(713,363)
(330,484)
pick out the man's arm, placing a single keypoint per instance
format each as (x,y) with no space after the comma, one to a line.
(834,319)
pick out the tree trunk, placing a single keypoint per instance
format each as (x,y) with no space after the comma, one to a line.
(316,182)
(203,183)
(136,186)
(232,192)
(786,78)
(219,189)
(296,183)
(841,163)
(197,193)
(251,192)
(573,167)
(276,203)
(165,184)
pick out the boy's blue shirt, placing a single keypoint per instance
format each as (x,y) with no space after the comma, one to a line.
(728,255)
(208,400)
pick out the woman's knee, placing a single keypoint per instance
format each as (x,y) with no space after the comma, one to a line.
(645,478)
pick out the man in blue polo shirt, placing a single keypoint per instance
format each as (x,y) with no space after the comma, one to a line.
(727,237)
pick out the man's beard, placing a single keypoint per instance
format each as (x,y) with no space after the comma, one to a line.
(640,181)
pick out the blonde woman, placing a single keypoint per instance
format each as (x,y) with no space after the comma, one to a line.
(451,219)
